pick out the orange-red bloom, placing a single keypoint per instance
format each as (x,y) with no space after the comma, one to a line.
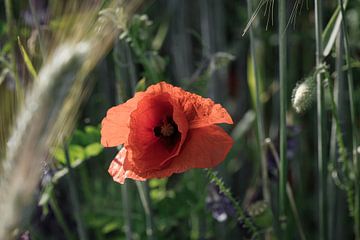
(165,130)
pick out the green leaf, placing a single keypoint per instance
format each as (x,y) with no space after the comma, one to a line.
(27,60)
(3,74)
(62,172)
(92,133)
(160,35)
(251,79)
(76,152)
(59,154)
(110,227)
(80,138)
(45,195)
(331,30)
(93,149)
(141,85)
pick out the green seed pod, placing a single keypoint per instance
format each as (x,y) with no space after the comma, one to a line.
(261,214)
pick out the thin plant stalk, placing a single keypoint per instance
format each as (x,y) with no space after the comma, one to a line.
(259,116)
(126,210)
(118,98)
(75,198)
(11,34)
(333,195)
(60,218)
(289,192)
(283,106)
(338,91)
(143,189)
(213,176)
(37,25)
(353,124)
(320,120)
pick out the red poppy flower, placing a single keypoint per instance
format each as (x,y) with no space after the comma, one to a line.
(165,130)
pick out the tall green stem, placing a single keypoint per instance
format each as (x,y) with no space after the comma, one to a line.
(126,210)
(259,115)
(75,198)
(353,125)
(289,192)
(320,122)
(59,217)
(143,189)
(121,96)
(283,106)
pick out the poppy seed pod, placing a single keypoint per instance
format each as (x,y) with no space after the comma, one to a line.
(303,95)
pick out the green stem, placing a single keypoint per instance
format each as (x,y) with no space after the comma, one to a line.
(259,115)
(143,189)
(123,92)
(353,125)
(283,106)
(320,121)
(289,191)
(239,211)
(126,210)
(74,197)
(59,217)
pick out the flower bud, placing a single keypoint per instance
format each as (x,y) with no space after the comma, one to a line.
(303,95)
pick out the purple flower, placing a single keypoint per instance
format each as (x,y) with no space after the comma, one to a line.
(25,236)
(219,205)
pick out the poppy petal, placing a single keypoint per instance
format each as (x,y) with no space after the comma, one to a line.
(115,126)
(117,170)
(204,148)
(149,152)
(200,112)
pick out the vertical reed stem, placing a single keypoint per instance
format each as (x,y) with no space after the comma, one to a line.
(283,106)
(126,211)
(75,198)
(59,217)
(320,122)
(143,189)
(289,192)
(259,115)
(121,97)
(353,125)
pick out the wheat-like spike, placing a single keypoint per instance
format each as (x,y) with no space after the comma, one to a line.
(50,108)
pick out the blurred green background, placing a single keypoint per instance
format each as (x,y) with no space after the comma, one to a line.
(200,46)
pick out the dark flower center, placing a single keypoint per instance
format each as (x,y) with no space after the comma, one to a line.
(166,129)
